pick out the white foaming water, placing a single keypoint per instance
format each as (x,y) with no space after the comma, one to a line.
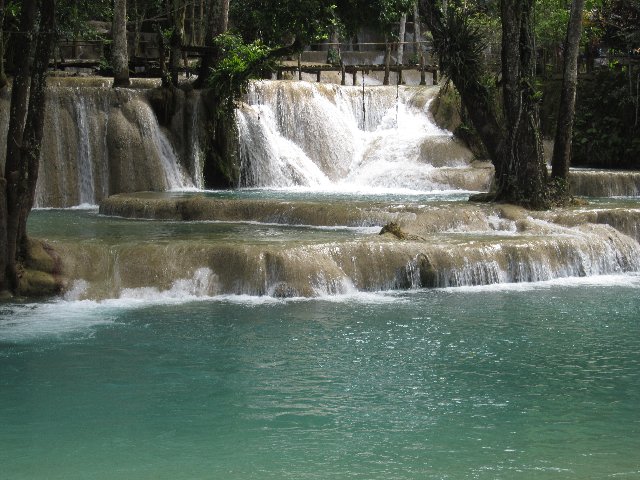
(627,280)
(53,320)
(327,137)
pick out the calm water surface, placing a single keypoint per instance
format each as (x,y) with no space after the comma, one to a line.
(524,382)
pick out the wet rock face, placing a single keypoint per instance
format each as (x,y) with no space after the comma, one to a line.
(99,141)
(423,246)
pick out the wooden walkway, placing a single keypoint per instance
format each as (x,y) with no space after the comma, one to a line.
(353,70)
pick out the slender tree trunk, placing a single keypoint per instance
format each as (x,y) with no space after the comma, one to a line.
(564,129)
(217,24)
(416,32)
(201,23)
(34,128)
(120,46)
(401,34)
(192,23)
(178,15)
(3,77)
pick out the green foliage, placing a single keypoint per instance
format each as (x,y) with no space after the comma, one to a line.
(381,15)
(605,133)
(279,22)
(461,48)
(72,18)
(239,62)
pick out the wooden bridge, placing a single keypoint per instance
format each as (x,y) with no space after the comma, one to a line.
(353,70)
(150,67)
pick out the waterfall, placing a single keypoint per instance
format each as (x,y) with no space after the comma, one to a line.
(99,141)
(328,136)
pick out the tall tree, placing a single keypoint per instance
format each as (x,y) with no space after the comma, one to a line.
(514,143)
(120,45)
(522,177)
(26,122)
(178,13)
(3,77)
(217,23)
(564,129)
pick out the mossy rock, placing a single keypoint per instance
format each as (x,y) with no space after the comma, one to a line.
(395,230)
(40,274)
(34,283)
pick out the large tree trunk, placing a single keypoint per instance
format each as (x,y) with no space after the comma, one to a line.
(25,135)
(564,129)
(3,77)
(120,47)
(15,164)
(522,176)
(515,145)
(217,24)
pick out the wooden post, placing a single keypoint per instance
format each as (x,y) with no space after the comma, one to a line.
(400,79)
(423,76)
(344,74)
(355,76)
(279,74)
(387,62)
(435,76)
(299,66)
(318,75)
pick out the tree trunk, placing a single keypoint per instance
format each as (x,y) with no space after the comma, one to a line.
(3,77)
(401,33)
(120,48)
(522,176)
(564,129)
(217,24)
(177,38)
(34,127)
(15,166)
(515,145)
(24,138)
(417,33)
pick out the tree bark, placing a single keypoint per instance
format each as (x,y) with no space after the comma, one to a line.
(120,47)
(217,24)
(3,77)
(15,165)
(401,34)
(34,128)
(177,39)
(515,145)
(522,176)
(416,32)
(564,129)
(26,123)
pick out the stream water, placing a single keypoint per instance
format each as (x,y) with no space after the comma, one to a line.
(537,381)
(271,332)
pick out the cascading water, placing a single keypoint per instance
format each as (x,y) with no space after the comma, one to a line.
(99,141)
(327,136)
